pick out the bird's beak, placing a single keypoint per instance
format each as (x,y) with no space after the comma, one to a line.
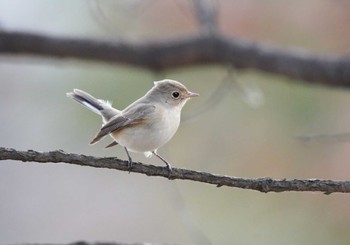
(191,94)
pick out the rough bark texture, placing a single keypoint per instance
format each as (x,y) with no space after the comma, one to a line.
(258,184)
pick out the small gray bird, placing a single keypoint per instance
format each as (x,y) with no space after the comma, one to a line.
(146,124)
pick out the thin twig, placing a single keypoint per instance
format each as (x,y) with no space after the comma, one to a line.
(258,184)
(206,12)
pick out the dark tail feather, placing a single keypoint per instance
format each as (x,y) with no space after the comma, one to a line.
(87,100)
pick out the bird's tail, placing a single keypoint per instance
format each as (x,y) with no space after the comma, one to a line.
(101,107)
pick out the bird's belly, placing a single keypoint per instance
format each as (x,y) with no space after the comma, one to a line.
(147,137)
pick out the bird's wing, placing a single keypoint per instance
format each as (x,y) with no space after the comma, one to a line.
(133,116)
(112,144)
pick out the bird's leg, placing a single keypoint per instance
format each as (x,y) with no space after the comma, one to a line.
(129,158)
(165,161)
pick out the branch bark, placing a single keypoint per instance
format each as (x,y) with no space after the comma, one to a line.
(259,184)
(192,50)
(94,243)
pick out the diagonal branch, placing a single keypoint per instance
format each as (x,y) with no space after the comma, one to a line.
(191,50)
(259,184)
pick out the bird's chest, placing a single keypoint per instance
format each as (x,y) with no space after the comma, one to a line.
(158,129)
(167,124)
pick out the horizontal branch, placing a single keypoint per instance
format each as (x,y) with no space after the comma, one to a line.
(258,184)
(104,243)
(191,50)
(94,243)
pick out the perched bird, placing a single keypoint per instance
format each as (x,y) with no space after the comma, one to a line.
(146,124)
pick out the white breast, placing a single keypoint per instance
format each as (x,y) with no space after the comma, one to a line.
(153,134)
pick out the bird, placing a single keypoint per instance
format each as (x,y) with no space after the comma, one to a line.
(146,124)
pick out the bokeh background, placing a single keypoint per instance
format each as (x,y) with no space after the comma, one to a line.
(245,123)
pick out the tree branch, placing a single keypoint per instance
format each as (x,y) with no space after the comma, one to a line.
(259,184)
(93,243)
(192,50)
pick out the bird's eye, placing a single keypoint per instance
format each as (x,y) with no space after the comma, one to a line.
(175,95)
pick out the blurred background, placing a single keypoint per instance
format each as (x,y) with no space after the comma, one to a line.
(245,124)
